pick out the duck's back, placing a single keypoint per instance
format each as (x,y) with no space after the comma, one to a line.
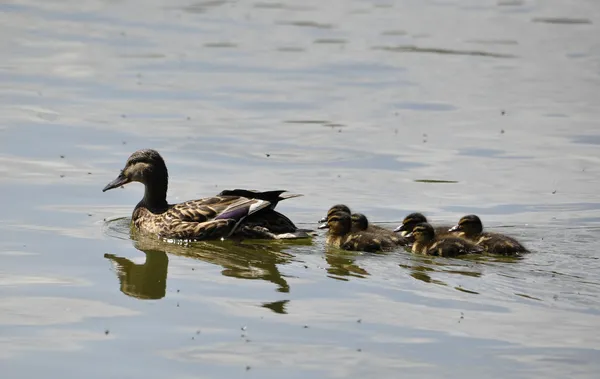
(366,241)
(387,236)
(495,243)
(443,230)
(452,247)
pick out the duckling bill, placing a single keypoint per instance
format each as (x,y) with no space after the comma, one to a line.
(471,228)
(240,212)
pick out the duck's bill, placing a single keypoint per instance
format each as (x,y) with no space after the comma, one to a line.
(324,219)
(324,226)
(455,228)
(399,229)
(121,180)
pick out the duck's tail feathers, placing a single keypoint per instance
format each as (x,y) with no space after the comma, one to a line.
(241,209)
(273,196)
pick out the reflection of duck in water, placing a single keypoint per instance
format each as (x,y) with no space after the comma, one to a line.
(342,264)
(244,261)
(247,213)
(142,281)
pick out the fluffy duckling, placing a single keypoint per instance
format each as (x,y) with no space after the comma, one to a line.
(360,223)
(413,219)
(426,243)
(336,208)
(471,228)
(341,235)
(208,218)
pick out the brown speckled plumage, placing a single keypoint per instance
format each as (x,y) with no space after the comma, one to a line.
(471,228)
(413,219)
(207,218)
(427,243)
(341,235)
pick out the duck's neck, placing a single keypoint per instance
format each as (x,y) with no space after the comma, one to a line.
(421,247)
(155,196)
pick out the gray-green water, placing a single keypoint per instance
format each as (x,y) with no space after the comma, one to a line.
(361,102)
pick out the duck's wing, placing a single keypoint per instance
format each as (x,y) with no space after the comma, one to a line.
(209,208)
(452,247)
(502,245)
(362,242)
(272,220)
(209,230)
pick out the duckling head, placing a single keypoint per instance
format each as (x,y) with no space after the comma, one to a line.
(334,209)
(144,166)
(338,223)
(359,221)
(409,223)
(422,233)
(470,225)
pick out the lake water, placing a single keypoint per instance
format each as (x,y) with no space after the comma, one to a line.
(360,102)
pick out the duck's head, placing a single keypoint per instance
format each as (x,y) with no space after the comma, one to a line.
(144,166)
(334,209)
(338,223)
(470,225)
(359,221)
(409,223)
(422,232)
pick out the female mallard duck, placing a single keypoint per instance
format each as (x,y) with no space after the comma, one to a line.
(341,235)
(471,228)
(413,219)
(247,213)
(427,243)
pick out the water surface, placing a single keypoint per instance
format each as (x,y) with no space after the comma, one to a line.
(444,107)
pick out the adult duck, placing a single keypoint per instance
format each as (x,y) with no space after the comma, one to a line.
(244,213)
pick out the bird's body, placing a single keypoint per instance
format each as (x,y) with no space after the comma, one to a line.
(427,243)
(342,235)
(413,219)
(471,228)
(232,212)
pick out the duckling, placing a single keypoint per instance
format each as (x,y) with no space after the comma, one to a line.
(207,218)
(360,223)
(426,243)
(471,228)
(341,235)
(338,207)
(413,219)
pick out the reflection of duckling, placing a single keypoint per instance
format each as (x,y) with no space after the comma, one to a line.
(360,223)
(203,219)
(341,235)
(471,228)
(413,219)
(426,243)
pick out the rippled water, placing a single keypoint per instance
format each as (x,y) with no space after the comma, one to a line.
(369,103)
